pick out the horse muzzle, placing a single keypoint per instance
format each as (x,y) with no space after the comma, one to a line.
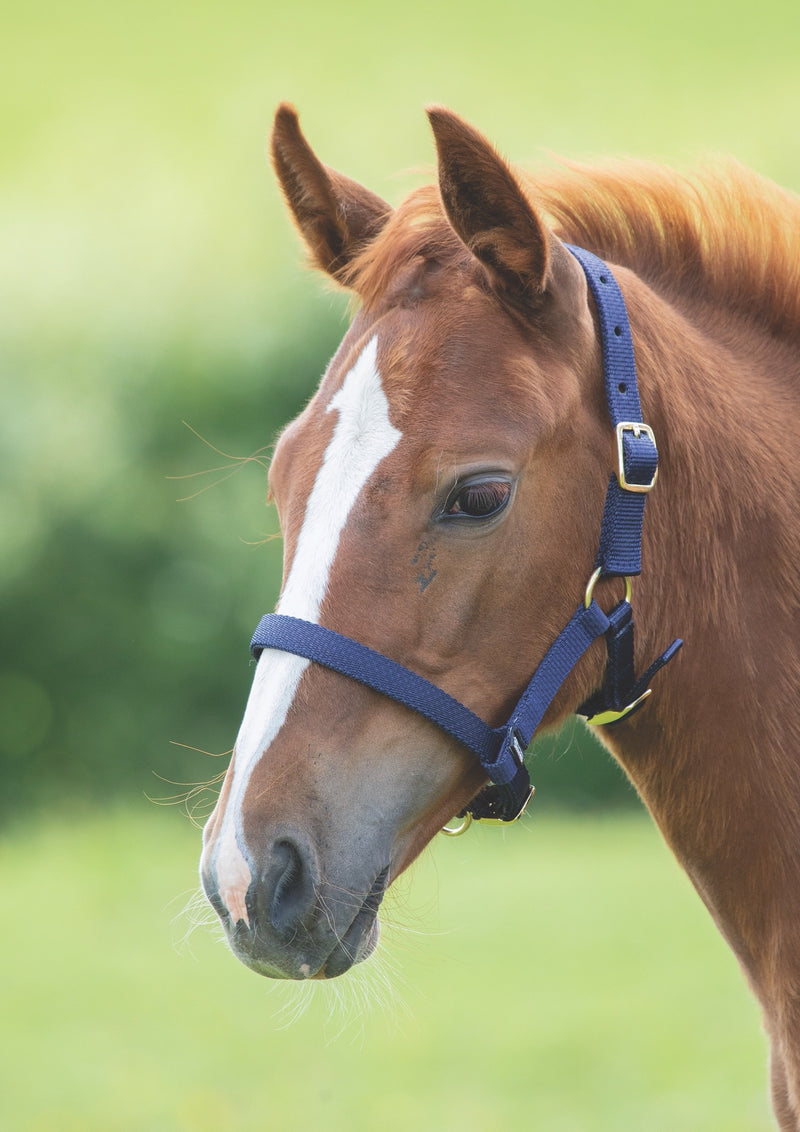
(290,922)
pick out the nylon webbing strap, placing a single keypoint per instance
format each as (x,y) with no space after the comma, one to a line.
(620,550)
(499,749)
(351,658)
(586,625)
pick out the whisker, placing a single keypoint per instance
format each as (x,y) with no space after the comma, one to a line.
(228,455)
(200,751)
(198,799)
(235,464)
(208,486)
(275,535)
(195,913)
(206,471)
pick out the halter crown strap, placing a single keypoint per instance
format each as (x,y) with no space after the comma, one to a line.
(620,550)
(501,750)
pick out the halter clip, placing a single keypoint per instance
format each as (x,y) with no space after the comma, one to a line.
(603,718)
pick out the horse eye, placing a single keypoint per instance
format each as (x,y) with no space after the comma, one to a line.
(478,499)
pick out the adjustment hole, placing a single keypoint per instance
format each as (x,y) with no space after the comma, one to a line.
(618,331)
(604,279)
(623,388)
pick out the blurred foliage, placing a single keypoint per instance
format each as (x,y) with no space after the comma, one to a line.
(130,605)
(149,277)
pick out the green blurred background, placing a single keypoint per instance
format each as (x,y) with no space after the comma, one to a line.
(157,327)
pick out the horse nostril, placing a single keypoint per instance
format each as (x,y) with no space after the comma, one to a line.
(293,893)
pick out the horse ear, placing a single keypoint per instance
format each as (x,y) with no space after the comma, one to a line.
(488,209)
(336,216)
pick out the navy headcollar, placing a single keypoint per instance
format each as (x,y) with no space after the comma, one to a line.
(501,750)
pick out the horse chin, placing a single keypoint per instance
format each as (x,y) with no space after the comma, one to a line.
(358,944)
(347,953)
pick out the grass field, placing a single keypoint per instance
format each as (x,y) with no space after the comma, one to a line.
(561,977)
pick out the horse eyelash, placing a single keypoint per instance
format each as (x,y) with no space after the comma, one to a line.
(489,485)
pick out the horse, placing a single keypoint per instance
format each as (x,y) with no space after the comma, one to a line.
(441,498)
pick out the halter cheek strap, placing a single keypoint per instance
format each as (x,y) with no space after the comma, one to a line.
(501,750)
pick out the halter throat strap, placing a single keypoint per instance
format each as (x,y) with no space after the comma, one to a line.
(501,750)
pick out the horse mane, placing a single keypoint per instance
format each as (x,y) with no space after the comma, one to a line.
(722,234)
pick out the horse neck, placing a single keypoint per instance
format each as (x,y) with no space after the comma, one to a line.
(722,536)
(716,755)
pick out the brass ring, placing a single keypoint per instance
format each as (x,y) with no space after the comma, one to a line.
(456,831)
(587,597)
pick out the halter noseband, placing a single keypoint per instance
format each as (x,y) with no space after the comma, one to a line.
(501,750)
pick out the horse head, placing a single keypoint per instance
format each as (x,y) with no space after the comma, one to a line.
(439,500)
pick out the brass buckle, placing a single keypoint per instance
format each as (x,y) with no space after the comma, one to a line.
(637,428)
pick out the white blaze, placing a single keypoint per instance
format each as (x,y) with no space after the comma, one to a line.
(363,436)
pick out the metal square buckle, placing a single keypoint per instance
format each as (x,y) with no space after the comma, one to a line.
(638,429)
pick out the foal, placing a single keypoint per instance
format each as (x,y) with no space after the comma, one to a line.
(441,500)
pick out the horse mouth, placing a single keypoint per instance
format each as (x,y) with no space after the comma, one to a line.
(309,953)
(361,937)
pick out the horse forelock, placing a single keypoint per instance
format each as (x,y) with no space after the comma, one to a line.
(416,230)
